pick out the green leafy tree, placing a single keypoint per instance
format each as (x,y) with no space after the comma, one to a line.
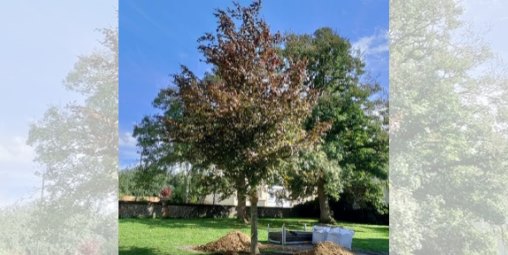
(250,117)
(139,181)
(126,184)
(353,156)
(148,182)
(311,173)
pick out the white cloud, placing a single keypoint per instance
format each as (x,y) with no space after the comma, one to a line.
(373,50)
(14,149)
(17,170)
(128,151)
(127,140)
(372,45)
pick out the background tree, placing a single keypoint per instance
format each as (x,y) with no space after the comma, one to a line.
(161,156)
(313,173)
(354,152)
(142,181)
(126,183)
(251,116)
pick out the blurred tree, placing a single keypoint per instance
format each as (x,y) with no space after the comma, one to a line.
(77,145)
(448,140)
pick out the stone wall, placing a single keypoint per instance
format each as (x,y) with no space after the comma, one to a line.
(141,209)
(133,209)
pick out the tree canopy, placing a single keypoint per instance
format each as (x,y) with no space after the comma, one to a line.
(354,151)
(250,114)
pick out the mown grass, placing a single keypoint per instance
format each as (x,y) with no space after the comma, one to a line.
(176,236)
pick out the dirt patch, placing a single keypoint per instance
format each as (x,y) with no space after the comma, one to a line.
(327,248)
(236,243)
(295,248)
(233,243)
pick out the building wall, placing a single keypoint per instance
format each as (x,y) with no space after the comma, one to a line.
(267,198)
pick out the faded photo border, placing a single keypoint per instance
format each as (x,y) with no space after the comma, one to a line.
(58,133)
(448,127)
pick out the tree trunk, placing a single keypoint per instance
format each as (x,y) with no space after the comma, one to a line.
(241,208)
(187,175)
(254,223)
(324,208)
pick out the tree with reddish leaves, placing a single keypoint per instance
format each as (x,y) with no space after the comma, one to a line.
(248,116)
(166,192)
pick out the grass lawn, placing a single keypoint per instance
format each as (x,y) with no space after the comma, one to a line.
(171,236)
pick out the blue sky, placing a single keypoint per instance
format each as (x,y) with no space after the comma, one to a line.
(157,36)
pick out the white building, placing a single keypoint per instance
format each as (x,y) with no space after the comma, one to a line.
(268,197)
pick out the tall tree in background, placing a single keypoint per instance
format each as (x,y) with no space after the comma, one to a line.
(354,152)
(251,115)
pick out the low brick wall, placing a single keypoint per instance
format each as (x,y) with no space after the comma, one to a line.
(142,209)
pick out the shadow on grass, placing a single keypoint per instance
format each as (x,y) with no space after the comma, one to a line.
(138,251)
(371,244)
(189,223)
(220,223)
(369,229)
